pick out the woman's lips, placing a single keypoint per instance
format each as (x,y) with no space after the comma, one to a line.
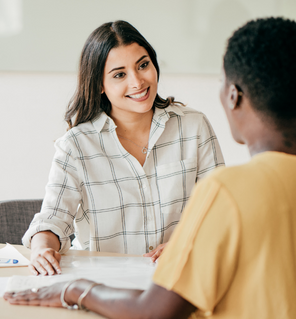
(142,96)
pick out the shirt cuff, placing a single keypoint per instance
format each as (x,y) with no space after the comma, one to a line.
(64,240)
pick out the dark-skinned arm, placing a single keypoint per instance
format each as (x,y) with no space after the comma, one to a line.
(156,302)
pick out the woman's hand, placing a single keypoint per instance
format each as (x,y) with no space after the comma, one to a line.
(45,258)
(45,261)
(155,253)
(45,296)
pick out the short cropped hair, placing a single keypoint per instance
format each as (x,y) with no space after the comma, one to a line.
(260,59)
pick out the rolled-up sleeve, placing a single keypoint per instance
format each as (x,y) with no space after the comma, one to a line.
(62,198)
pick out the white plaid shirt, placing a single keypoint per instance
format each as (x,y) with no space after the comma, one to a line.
(100,191)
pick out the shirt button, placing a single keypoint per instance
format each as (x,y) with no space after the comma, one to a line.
(151,247)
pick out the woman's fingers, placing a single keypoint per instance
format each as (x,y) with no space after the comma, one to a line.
(151,253)
(38,267)
(46,296)
(46,263)
(155,253)
(33,270)
(54,261)
(22,297)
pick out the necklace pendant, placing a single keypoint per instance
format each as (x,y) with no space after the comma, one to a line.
(144,150)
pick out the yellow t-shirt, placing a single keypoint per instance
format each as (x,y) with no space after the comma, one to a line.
(233,253)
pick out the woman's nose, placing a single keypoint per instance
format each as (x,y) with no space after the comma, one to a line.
(136,81)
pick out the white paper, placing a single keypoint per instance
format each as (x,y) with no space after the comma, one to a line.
(9,252)
(119,272)
(3,283)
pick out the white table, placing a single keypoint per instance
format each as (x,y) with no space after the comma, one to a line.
(8,311)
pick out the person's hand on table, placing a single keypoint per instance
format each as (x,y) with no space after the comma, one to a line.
(45,258)
(155,253)
(45,261)
(45,296)
(107,301)
(53,295)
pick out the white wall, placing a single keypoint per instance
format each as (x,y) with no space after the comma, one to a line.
(32,107)
(189,36)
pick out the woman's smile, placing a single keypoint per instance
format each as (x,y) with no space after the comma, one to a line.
(141,96)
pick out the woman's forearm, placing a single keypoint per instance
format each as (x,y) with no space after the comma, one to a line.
(128,303)
(45,239)
(109,302)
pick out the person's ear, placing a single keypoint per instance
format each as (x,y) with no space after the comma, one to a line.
(233,97)
(102,89)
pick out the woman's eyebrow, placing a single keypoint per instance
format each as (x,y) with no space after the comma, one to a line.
(144,56)
(122,67)
(119,68)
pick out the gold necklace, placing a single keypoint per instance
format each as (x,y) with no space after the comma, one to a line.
(144,148)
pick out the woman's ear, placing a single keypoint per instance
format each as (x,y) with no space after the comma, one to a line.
(233,97)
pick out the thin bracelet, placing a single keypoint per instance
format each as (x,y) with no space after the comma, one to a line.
(83,295)
(64,304)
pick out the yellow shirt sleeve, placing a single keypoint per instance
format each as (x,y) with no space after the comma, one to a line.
(201,258)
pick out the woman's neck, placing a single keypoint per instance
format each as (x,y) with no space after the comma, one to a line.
(129,125)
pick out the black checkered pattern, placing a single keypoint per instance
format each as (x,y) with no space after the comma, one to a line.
(102,193)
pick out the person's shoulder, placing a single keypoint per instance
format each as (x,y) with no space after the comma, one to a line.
(259,166)
(77,132)
(239,177)
(231,172)
(185,111)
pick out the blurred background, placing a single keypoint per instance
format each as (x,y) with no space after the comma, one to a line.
(40,45)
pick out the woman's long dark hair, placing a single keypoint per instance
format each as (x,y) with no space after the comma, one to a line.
(88,101)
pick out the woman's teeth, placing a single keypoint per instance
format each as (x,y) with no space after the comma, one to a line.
(138,96)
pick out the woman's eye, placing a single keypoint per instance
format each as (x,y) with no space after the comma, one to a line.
(119,75)
(144,65)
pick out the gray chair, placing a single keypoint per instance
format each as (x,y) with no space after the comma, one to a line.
(15,218)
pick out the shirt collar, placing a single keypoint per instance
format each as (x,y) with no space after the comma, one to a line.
(163,115)
(103,121)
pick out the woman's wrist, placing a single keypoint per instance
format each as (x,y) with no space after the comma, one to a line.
(45,239)
(75,290)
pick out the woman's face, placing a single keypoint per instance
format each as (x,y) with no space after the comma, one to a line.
(130,80)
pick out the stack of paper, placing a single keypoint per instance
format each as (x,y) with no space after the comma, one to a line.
(121,272)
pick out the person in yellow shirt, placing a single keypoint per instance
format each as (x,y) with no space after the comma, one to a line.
(233,253)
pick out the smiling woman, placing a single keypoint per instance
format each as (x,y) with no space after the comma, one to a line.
(124,171)
(131,90)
